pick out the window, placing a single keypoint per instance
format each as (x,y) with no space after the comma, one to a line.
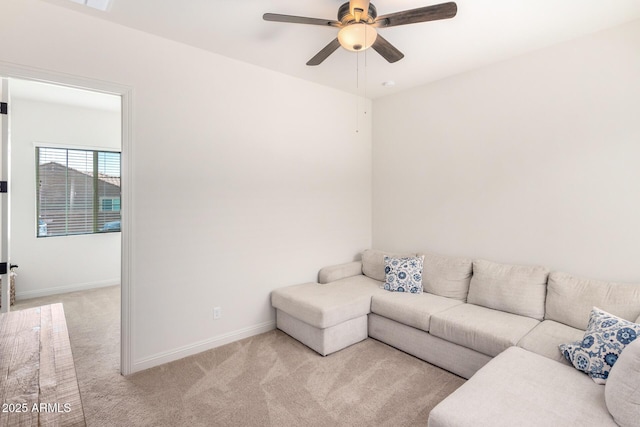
(109,204)
(78,191)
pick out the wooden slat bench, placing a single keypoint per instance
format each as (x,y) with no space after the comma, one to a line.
(38,383)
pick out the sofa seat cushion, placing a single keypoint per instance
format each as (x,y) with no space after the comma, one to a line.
(325,305)
(411,309)
(481,329)
(545,338)
(521,388)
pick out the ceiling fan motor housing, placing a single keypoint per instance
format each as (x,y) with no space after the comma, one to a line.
(345,16)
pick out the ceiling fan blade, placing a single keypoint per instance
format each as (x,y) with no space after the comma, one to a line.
(421,14)
(276,17)
(324,53)
(387,50)
(362,5)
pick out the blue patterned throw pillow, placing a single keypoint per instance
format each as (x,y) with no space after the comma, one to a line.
(403,274)
(605,338)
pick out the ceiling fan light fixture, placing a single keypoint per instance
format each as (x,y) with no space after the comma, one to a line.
(357,36)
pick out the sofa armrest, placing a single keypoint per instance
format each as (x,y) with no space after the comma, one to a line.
(341,271)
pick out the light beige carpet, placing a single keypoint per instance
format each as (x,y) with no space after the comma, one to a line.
(267,380)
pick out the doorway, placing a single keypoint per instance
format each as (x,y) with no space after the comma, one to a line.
(52,115)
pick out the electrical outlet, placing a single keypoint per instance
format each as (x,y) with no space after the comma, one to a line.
(217,313)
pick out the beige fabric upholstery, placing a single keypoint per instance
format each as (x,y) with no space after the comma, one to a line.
(341,271)
(411,309)
(447,355)
(327,305)
(481,329)
(517,289)
(545,338)
(446,276)
(570,299)
(622,390)
(637,320)
(373,262)
(524,389)
(324,341)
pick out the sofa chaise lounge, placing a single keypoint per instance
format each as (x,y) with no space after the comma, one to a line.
(498,325)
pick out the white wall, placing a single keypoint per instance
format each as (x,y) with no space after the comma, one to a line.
(533,160)
(244,179)
(57,264)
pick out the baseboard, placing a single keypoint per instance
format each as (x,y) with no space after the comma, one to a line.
(200,346)
(65,289)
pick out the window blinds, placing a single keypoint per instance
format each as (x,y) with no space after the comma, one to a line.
(78,191)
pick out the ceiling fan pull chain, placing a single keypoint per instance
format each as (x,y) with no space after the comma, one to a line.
(365,74)
(357,92)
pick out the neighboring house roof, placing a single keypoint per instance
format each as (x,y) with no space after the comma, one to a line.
(112,180)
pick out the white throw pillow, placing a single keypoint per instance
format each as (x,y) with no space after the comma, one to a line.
(403,274)
(622,391)
(373,262)
(604,341)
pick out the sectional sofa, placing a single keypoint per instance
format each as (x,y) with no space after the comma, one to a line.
(498,325)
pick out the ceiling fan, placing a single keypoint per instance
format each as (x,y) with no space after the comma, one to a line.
(358,20)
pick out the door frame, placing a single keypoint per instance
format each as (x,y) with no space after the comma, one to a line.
(4,210)
(9,70)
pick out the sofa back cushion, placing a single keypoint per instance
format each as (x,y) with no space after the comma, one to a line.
(373,262)
(570,299)
(446,276)
(517,289)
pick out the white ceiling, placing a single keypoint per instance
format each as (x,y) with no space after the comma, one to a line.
(483,32)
